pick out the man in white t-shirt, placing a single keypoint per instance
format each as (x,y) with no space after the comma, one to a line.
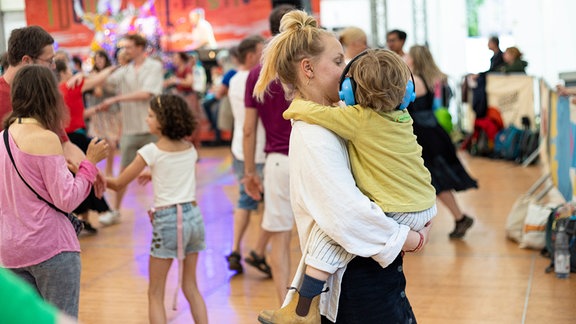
(249,52)
(202,32)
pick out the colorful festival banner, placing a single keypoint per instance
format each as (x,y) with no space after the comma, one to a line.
(561,145)
(84,25)
(545,98)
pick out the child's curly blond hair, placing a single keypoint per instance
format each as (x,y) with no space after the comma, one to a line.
(381,77)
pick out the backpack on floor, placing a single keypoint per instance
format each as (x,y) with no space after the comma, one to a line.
(554,220)
(529,142)
(480,145)
(507,143)
(481,142)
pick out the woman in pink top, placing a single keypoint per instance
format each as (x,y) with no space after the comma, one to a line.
(37,242)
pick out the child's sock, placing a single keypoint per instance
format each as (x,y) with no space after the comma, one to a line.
(310,288)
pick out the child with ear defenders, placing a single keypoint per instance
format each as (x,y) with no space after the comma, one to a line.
(385,158)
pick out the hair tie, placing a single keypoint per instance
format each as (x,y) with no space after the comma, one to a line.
(159,102)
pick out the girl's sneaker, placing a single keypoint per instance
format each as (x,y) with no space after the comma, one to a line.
(110,217)
(234,262)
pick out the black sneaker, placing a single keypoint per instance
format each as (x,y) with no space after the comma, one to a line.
(234,262)
(461,227)
(258,262)
(88,228)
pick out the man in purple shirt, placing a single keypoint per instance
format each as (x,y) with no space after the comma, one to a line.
(278,218)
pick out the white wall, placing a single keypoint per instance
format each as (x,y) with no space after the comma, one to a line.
(344,13)
(543,32)
(399,15)
(12,5)
(13,16)
(539,28)
(447,35)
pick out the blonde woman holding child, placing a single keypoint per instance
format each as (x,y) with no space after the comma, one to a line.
(178,225)
(348,243)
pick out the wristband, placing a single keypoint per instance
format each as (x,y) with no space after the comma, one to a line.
(420,243)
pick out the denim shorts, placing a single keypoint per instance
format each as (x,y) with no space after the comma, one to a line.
(245,201)
(164,235)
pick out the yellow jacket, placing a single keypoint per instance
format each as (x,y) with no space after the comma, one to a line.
(385,158)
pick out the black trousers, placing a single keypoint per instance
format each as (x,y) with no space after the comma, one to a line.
(373,295)
(91,202)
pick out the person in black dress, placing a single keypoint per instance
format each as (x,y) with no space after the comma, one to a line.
(438,151)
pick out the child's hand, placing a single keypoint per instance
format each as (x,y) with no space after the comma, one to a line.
(99,185)
(426,232)
(151,212)
(144,177)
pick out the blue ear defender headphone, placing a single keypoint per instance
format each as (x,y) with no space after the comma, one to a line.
(347,84)
(409,95)
(348,87)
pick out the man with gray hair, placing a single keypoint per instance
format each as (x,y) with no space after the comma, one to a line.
(202,32)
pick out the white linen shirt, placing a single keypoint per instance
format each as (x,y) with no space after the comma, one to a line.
(148,77)
(322,190)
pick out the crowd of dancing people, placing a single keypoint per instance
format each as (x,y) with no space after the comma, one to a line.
(376,163)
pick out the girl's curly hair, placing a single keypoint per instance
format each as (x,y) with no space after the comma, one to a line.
(174,116)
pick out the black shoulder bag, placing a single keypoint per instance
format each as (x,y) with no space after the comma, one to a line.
(76,223)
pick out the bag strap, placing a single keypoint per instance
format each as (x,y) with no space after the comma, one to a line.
(542,180)
(20,175)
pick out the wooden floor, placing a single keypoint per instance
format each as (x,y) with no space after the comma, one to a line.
(481,279)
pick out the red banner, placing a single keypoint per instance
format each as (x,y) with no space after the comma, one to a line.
(84,25)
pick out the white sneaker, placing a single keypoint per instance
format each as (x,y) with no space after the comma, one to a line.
(109,218)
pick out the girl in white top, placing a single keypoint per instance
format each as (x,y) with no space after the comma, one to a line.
(176,220)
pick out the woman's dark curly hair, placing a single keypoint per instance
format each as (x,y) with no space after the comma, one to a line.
(174,116)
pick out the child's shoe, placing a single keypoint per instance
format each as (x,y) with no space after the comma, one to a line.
(234,262)
(110,217)
(88,228)
(287,314)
